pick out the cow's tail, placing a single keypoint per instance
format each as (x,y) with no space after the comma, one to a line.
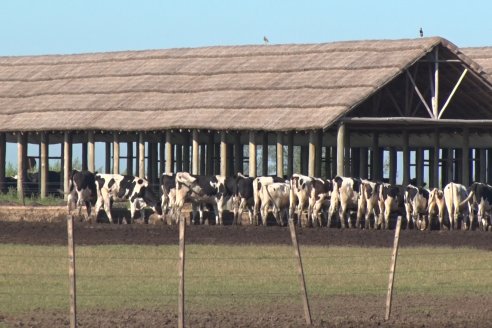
(271,198)
(467,199)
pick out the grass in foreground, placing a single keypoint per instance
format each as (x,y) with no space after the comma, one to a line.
(120,276)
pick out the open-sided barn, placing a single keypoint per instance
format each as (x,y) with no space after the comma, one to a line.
(344,104)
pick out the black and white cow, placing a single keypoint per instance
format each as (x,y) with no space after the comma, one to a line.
(367,206)
(391,200)
(82,191)
(319,200)
(243,197)
(300,193)
(203,190)
(168,198)
(276,196)
(344,197)
(416,205)
(454,195)
(480,197)
(258,183)
(116,187)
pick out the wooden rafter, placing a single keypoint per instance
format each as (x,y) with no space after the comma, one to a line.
(452,93)
(419,94)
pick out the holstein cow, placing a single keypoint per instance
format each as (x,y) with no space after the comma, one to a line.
(203,190)
(416,202)
(300,193)
(436,208)
(243,197)
(480,197)
(116,187)
(168,198)
(277,195)
(82,191)
(319,198)
(391,200)
(258,182)
(454,195)
(344,197)
(367,206)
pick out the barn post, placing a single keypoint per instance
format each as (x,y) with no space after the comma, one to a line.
(252,154)
(376,158)
(223,154)
(203,158)
(264,153)
(21,149)
(406,158)
(107,157)
(392,165)
(313,143)
(238,154)
(91,165)
(152,163)
(195,160)
(3,156)
(435,160)
(162,155)
(141,155)
(341,141)
(465,167)
(84,156)
(394,255)
(290,155)
(72,273)
(129,158)
(181,272)
(43,165)
(67,162)
(169,153)
(419,166)
(116,153)
(304,160)
(280,154)
(363,169)
(186,152)
(210,154)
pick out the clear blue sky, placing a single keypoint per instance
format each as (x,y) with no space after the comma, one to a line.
(77,26)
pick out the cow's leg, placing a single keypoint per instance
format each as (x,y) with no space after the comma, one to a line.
(107,205)
(218,209)
(264,213)
(342,213)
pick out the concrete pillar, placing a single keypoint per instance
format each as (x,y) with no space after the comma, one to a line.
(223,154)
(91,151)
(252,154)
(141,155)
(341,143)
(116,153)
(43,165)
(169,153)
(465,166)
(313,166)
(280,154)
(195,150)
(406,158)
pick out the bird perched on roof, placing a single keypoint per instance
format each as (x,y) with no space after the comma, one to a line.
(265,39)
(421,32)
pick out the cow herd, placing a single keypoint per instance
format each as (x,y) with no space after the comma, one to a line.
(340,202)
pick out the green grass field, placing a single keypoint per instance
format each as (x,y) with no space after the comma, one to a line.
(119,276)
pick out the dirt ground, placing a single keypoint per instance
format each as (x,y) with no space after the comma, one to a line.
(337,311)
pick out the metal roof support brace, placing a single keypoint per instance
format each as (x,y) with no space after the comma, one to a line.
(452,92)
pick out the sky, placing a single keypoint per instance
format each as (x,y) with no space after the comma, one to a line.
(81,26)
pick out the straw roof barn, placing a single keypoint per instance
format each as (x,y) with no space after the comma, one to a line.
(481,55)
(258,87)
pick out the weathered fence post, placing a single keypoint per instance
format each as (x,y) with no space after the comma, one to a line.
(300,272)
(71,273)
(181,296)
(392,269)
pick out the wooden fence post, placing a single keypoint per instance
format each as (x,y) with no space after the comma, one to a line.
(300,272)
(392,269)
(181,292)
(71,273)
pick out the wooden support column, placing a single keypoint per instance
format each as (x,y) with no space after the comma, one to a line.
(84,156)
(238,154)
(162,154)
(186,153)
(129,158)
(483,165)
(107,158)
(290,154)
(43,165)
(210,155)
(280,154)
(223,154)
(91,151)
(203,158)
(195,156)
(363,169)
(217,158)
(392,165)
(376,158)
(169,153)
(252,154)
(341,143)
(116,153)
(179,157)
(419,166)
(141,155)
(304,160)
(21,150)
(313,145)
(435,161)
(152,163)
(334,161)
(406,159)
(67,162)
(264,154)
(3,160)
(465,163)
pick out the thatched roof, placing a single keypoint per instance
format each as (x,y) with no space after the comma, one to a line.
(258,87)
(482,55)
